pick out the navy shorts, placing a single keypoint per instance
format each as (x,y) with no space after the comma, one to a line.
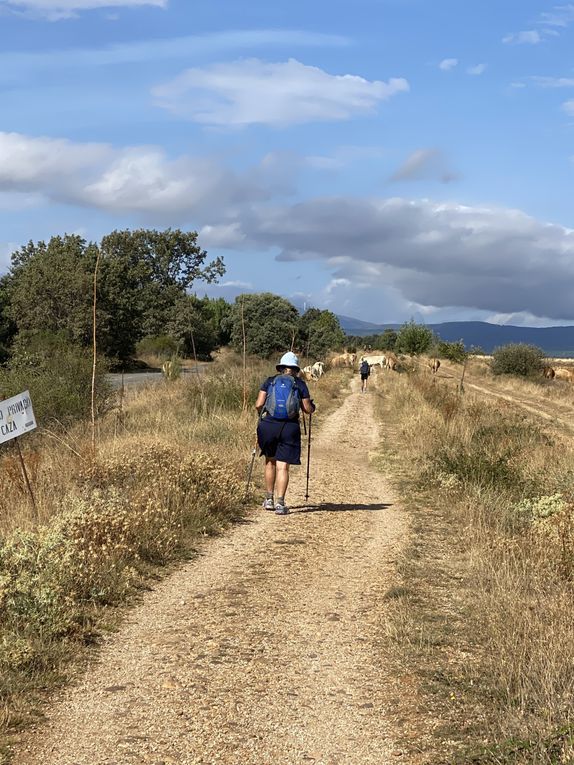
(280,440)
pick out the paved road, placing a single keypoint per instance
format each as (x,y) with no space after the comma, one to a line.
(132,379)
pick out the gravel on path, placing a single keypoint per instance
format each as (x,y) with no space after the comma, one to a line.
(264,650)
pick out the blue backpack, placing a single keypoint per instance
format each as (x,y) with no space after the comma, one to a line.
(283,398)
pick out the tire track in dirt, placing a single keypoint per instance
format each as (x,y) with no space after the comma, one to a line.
(264,650)
(551,413)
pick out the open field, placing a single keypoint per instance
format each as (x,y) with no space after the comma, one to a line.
(482,624)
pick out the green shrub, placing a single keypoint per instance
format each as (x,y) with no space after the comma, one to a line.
(518,359)
(58,375)
(162,346)
(414,339)
(451,351)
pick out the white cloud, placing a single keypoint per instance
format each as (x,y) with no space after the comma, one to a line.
(425,164)
(527,37)
(256,92)
(476,70)
(553,82)
(568,107)
(548,24)
(222,236)
(64,9)
(447,64)
(140,180)
(560,16)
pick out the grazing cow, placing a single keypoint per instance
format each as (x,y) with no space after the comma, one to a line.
(548,373)
(562,373)
(308,374)
(434,364)
(392,362)
(375,361)
(318,368)
(343,360)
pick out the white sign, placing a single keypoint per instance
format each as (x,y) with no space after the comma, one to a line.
(16,416)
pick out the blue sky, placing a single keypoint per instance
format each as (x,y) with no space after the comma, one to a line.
(386,159)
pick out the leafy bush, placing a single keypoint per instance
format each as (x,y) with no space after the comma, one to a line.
(414,339)
(58,376)
(161,346)
(129,511)
(452,351)
(518,359)
(270,322)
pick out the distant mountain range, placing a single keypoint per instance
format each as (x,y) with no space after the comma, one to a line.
(554,341)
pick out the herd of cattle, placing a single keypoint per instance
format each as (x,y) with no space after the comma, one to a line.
(559,373)
(388,360)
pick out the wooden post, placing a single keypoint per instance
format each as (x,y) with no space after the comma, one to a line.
(244,357)
(194,353)
(95,353)
(27,480)
(461,385)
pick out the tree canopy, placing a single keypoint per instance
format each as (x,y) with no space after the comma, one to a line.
(143,275)
(270,321)
(414,339)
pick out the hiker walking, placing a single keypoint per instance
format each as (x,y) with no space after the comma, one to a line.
(278,433)
(365,371)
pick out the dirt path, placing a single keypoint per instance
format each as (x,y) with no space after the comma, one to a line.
(558,413)
(266,649)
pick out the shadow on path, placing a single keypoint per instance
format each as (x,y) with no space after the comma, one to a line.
(331,507)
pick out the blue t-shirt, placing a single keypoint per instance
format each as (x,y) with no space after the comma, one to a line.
(301,385)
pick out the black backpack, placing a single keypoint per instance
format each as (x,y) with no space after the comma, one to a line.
(365,368)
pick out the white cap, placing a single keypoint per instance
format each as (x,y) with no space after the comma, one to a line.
(288,360)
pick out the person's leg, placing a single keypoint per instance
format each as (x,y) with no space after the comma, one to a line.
(270,473)
(281,483)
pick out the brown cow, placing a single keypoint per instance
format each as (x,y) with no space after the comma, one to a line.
(562,373)
(392,361)
(434,364)
(548,373)
(343,360)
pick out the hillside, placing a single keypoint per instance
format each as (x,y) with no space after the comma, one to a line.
(555,341)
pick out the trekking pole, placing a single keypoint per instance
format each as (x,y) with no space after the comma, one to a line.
(308,458)
(304,424)
(253,453)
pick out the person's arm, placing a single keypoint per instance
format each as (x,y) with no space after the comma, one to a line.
(308,406)
(261,396)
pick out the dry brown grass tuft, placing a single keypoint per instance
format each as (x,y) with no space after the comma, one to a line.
(486,621)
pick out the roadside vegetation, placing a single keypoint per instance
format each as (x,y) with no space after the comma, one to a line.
(483,619)
(170,468)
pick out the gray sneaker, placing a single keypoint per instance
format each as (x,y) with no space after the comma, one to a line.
(268,504)
(281,510)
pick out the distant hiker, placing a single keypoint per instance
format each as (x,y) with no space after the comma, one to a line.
(278,433)
(365,371)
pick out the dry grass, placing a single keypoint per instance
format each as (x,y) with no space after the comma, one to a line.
(171,466)
(486,622)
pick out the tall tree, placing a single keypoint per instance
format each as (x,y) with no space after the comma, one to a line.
(143,274)
(414,338)
(49,287)
(271,323)
(319,332)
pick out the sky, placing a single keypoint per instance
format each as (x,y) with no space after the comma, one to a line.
(384,159)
